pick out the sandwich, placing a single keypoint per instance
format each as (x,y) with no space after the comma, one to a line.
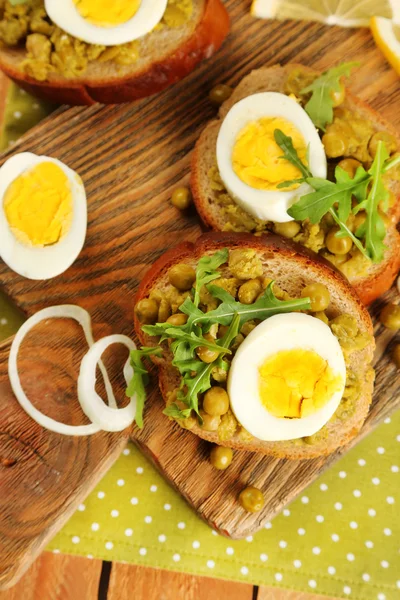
(86,51)
(293,152)
(260,345)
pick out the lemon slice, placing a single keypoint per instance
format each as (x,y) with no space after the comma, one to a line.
(347,13)
(387,37)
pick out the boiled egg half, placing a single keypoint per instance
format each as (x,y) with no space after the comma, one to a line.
(287,378)
(43,215)
(106,22)
(250,161)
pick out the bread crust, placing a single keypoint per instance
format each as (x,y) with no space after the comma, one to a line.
(376,285)
(379,279)
(272,246)
(206,39)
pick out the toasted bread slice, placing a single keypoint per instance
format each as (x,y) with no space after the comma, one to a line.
(379,277)
(292,267)
(166,56)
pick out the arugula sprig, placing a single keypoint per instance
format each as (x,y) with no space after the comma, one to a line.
(267,306)
(315,205)
(140,379)
(320,106)
(345,231)
(181,334)
(207,271)
(197,375)
(285,143)
(373,229)
(199,321)
(335,198)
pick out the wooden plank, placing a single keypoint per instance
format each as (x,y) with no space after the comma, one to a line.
(267,593)
(130,158)
(58,577)
(43,475)
(154,584)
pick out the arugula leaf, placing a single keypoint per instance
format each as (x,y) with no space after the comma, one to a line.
(159,329)
(197,375)
(327,194)
(285,143)
(167,331)
(196,382)
(344,231)
(389,164)
(207,271)
(267,306)
(317,182)
(16,2)
(315,205)
(140,379)
(344,206)
(232,332)
(191,338)
(320,106)
(290,182)
(373,229)
(185,344)
(175,412)
(185,339)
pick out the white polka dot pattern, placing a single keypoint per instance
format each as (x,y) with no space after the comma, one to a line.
(334,533)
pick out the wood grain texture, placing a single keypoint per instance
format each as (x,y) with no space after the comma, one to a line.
(267,593)
(58,577)
(62,577)
(131,158)
(42,474)
(154,584)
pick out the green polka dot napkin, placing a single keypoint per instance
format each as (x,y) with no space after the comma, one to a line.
(22,112)
(340,538)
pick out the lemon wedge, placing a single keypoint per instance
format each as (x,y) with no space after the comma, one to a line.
(387,37)
(347,13)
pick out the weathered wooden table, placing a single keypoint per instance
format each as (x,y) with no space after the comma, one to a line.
(59,577)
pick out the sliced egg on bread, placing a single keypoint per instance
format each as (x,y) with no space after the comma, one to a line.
(106,22)
(287,378)
(250,161)
(43,215)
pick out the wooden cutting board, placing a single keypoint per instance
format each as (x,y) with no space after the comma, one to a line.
(131,158)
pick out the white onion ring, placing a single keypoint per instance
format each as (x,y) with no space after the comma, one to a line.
(106,417)
(80,315)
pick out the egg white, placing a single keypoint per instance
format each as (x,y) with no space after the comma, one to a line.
(281,332)
(267,205)
(49,261)
(65,14)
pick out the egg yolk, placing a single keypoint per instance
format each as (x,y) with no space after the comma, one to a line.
(296,383)
(257,158)
(107,13)
(38,205)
